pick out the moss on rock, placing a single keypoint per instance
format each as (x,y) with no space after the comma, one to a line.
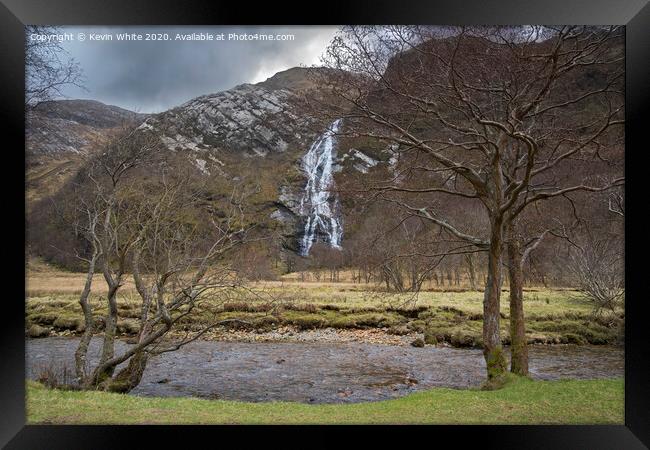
(419,342)
(37,331)
(128,327)
(68,323)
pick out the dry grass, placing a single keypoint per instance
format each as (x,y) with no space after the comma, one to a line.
(47,281)
(44,179)
(40,284)
(553,316)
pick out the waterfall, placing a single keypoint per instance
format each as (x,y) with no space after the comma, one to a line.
(319,205)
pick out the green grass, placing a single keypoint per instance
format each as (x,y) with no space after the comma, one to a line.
(552,316)
(538,302)
(521,401)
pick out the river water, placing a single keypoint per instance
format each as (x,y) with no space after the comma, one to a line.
(315,372)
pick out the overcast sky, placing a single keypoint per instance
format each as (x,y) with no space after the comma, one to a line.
(151,76)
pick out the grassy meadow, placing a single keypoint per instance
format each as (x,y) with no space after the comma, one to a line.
(451,316)
(521,401)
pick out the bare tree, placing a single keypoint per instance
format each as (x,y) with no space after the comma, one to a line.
(90,217)
(48,69)
(598,269)
(178,267)
(596,258)
(489,116)
(164,231)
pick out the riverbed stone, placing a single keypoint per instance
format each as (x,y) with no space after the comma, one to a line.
(419,342)
(67,323)
(37,331)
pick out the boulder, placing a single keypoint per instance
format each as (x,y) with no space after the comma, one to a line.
(418,343)
(37,331)
(127,326)
(67,323)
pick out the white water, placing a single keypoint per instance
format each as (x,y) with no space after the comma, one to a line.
(319,204)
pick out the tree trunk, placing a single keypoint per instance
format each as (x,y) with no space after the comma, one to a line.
(82,349)
(129,377)
(414,280)
(543,279)
(518,348)
(492,350)
(472,274)
(108,348)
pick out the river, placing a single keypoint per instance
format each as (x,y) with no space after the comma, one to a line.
(318,372)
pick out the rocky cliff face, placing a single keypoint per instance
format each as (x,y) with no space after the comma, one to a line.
(261,131)
(249,120)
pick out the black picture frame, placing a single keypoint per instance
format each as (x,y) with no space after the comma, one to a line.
(634,14)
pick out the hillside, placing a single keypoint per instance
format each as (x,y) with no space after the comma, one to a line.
(58,134)
(60,127)
(260,133)
(252,132)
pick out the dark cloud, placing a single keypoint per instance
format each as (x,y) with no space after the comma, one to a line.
(153,76)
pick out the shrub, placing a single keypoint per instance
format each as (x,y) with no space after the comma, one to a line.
(331,308)
(462,340)
(399,330)
(247,307)
(430,337)
(307,321)
(308,307)
(572,338)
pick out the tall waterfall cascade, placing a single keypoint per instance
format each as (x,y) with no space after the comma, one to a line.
(319,205)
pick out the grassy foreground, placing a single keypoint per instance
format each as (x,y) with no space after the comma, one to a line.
(522,401)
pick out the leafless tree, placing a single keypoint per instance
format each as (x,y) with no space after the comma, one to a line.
(598,270)
(490,116)
(596,258)
(48,69)
(168,234)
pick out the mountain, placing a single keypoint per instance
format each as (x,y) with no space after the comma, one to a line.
(267,133)
(296,79)
(250,120)
(270,135)
(258,132)
(261,132)
(58,127)
(58,134)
